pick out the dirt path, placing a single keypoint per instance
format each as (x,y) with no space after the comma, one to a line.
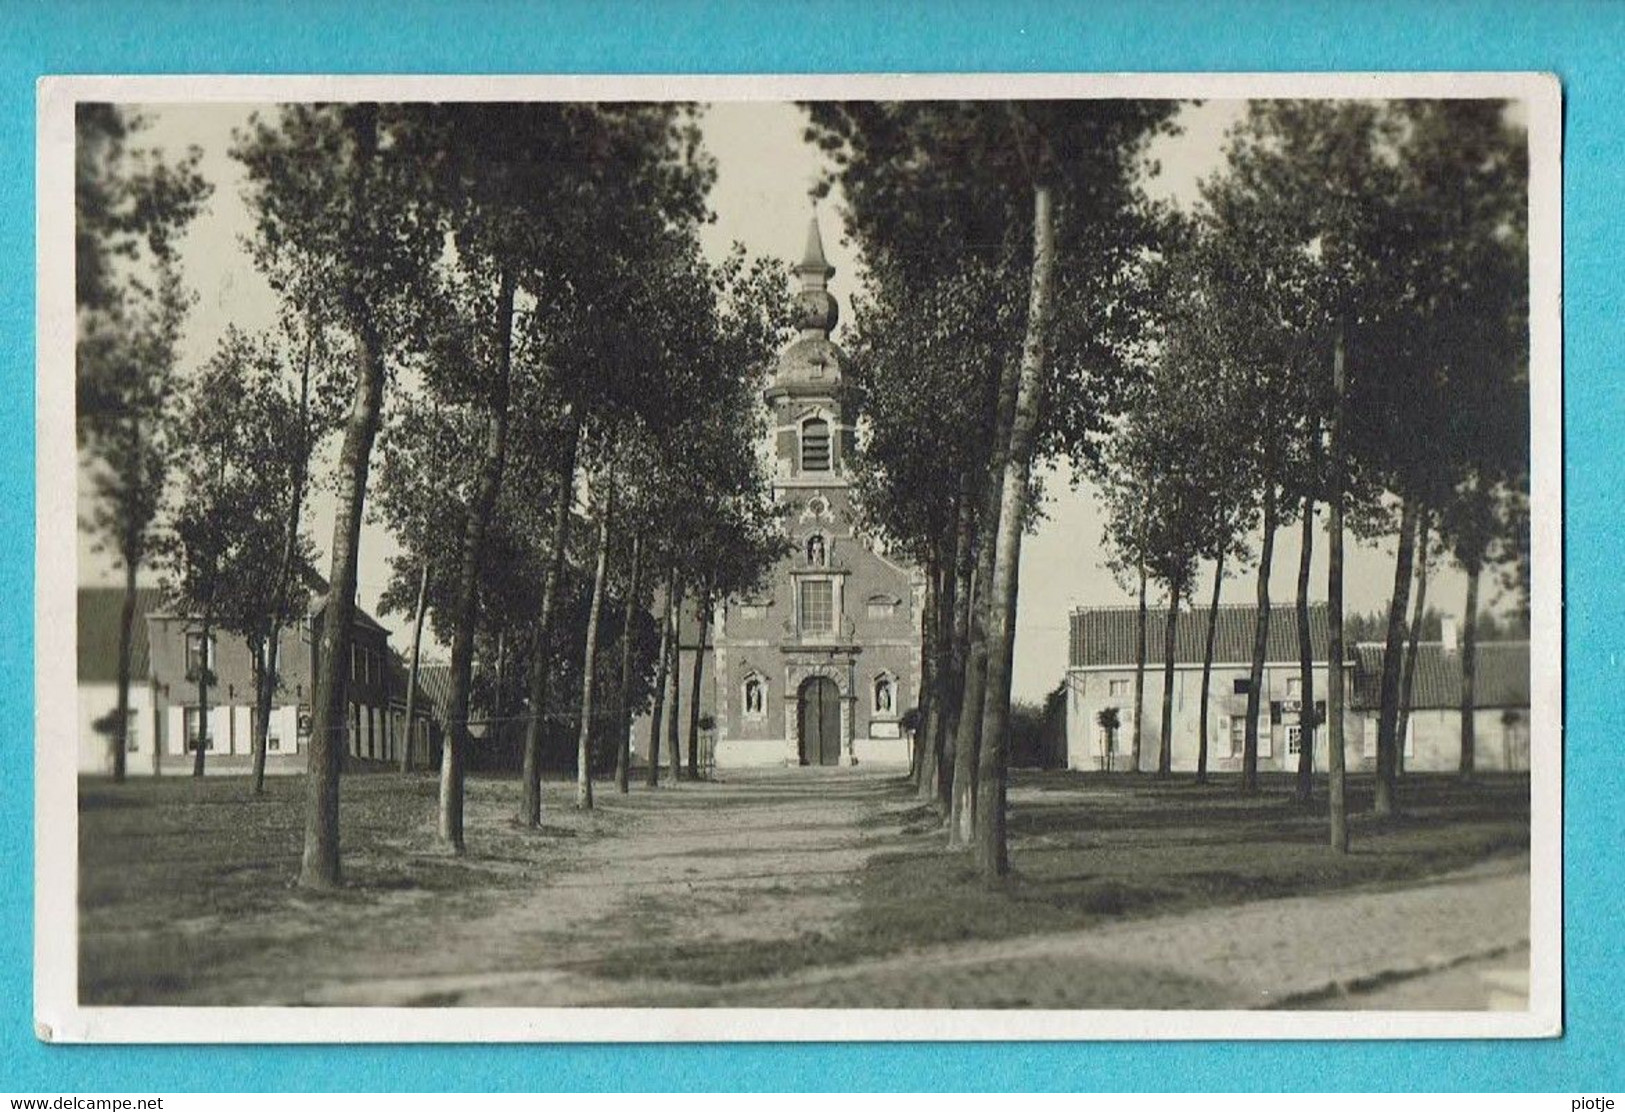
(757,858)
(769,858)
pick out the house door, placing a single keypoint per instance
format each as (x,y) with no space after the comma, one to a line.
(818,715)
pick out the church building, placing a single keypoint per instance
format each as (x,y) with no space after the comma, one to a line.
(822,665)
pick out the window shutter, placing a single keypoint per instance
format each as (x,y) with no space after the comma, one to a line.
(1266,740)
(1275,712)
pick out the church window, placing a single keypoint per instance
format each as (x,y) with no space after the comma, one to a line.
(817,606)
(885,700)
(817,551)
(815,445)
(755,696)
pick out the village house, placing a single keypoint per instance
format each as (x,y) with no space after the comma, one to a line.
(820,667)
(1433,733)
(1100,674)
(167,649)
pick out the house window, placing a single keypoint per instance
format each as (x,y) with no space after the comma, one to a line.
(1242,687)
(817,606)
(754,697)
(1117,688)
(1294,687)
(1294,740)
(817,551)
(193,726)
(815,445)
(885,700)
(196,656)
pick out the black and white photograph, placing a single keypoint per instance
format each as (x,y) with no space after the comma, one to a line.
(804,558)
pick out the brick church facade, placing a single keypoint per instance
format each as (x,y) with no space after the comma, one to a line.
(822,665)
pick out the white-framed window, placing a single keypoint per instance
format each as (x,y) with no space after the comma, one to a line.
(753,696)
(198,655)
(817,606)
(1294,740)
(1117,689)
(815,449)
(884,695)
(193,726)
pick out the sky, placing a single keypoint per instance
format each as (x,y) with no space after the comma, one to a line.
(761,199)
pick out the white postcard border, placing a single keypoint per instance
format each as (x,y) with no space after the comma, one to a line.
(60,1018)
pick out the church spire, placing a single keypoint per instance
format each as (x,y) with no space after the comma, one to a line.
(816,311)
(812,260)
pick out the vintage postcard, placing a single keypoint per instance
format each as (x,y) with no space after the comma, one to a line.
(803,558)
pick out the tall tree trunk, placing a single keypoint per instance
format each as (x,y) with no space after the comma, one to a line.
(269,677)
(319,862)
(925,780)
(1418,613)
(956,630)
(1165,752)
(675,698)
(1261,638)
(623,707)
(1140,620)
(1398,607)
(267,660)
(1469,673)
(1306,658)
(1207,667)
(203,676)
(412,667)
(695,687)
(992,852)
(589,661)
(1339,830)
(465,618)
(530,800)
(120,737)
(652,774)
(973,695)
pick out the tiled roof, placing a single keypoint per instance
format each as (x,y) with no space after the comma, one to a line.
(1104,636)
(1500,679)
(434,680)
(99,612)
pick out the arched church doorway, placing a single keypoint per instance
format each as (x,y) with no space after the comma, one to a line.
(818,721)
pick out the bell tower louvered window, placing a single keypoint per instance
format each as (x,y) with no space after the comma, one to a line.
(815,445)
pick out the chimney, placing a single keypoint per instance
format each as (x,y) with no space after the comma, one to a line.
(1447,634)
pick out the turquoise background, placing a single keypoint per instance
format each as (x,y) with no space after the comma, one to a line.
(1579,41)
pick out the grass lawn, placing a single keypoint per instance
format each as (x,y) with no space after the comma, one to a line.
(186,887)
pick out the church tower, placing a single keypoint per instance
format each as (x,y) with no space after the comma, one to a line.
(820,667)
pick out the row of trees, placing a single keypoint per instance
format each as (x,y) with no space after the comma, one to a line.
(513,298)
(1340,324)
(1002,241)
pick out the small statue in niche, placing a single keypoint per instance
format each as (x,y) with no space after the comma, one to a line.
(816,555)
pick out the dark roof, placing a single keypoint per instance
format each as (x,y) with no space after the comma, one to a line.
(1500,676)
(1104,636)
(99,611)
(434,680)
